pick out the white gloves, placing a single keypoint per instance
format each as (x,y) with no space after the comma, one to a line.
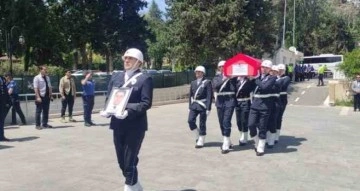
(207,112)
(122,115)
(104,114)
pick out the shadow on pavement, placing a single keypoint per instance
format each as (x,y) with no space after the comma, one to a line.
(284,143)
(23,139)
(212,144)
(5,147)
(60,127)
(11,127)
(182,190)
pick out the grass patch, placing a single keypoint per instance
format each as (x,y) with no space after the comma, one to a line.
(347,103)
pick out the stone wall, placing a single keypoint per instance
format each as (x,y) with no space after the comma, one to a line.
(339,90)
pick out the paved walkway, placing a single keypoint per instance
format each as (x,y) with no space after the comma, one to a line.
(319,150)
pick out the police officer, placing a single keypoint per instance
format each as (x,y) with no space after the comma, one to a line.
(285,82)
(275,108)
(200,99)
(88,96)
(129,126)
(14,95)
(244,87)
(225,89)
(261,107)
(4,107)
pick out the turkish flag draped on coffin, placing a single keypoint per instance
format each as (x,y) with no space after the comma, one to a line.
(242,65)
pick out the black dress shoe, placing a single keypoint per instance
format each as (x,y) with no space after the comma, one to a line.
(91,123)
(47,126)
(4,139)
(38,127)
(199,146)
(259,154)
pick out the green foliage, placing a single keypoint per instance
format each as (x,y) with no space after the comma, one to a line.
(346,103)
(351,65)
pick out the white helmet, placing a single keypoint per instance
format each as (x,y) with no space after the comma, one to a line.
(200,69)
(266,63)
(275,68)
(134,53)
(281,66)
(221,63)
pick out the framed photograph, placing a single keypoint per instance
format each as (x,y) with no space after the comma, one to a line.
(117,100)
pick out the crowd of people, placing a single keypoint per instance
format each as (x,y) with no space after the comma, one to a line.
(258,102)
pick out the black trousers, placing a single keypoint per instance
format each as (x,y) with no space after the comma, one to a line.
(16,109)
(3,111)
(192,120)
(273,118)
(127,146)
(224,116)
(357,102)
(88,103)
(281,114)
(242,111)
(68,101)
(43,108)
(258,119)
(321,80)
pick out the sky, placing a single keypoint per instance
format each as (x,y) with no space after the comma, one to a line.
(160,3)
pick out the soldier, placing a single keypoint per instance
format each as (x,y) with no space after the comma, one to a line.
(285,82)
(129,127)
(13,91)
(5,105)
(275,108)
(225,89)
(200,99)
(88,97)
(261,107)
(244,87)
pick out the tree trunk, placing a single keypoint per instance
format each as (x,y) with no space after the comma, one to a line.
(76,60)
(90,58)
(27,59)
(84,60)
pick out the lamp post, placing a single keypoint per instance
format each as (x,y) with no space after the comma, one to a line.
(21,41)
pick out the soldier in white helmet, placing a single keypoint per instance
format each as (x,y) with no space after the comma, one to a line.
(129,127)
(225,90)
(200,100)
(261,107)
(285,82)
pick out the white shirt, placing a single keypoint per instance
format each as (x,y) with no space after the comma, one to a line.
(39,83)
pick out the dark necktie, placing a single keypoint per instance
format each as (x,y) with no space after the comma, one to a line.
(47,87)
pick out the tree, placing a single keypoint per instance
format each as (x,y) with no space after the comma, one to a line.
(157,42)
(351,65)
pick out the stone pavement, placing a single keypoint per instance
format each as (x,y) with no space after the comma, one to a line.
(318,150)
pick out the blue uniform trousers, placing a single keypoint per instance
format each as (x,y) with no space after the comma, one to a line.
(242,115)
(274,117)
(281,113)
(88,103)
(192,120)
(258,119)
(225,115)
(127,145)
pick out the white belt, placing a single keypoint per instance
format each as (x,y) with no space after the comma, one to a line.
(266,95)
(283,93)
(199,101)
(243,99)
(226,93)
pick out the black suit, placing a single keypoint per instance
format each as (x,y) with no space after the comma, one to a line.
(129,132)
(200,104)
(242,108)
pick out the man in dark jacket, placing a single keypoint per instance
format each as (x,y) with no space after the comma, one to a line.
(200,99)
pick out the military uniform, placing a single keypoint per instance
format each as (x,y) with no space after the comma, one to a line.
(129,133)
(274,113)
(200,100)
(244,87)
(225,89)
(285,82)
(260,110)
(5,104)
